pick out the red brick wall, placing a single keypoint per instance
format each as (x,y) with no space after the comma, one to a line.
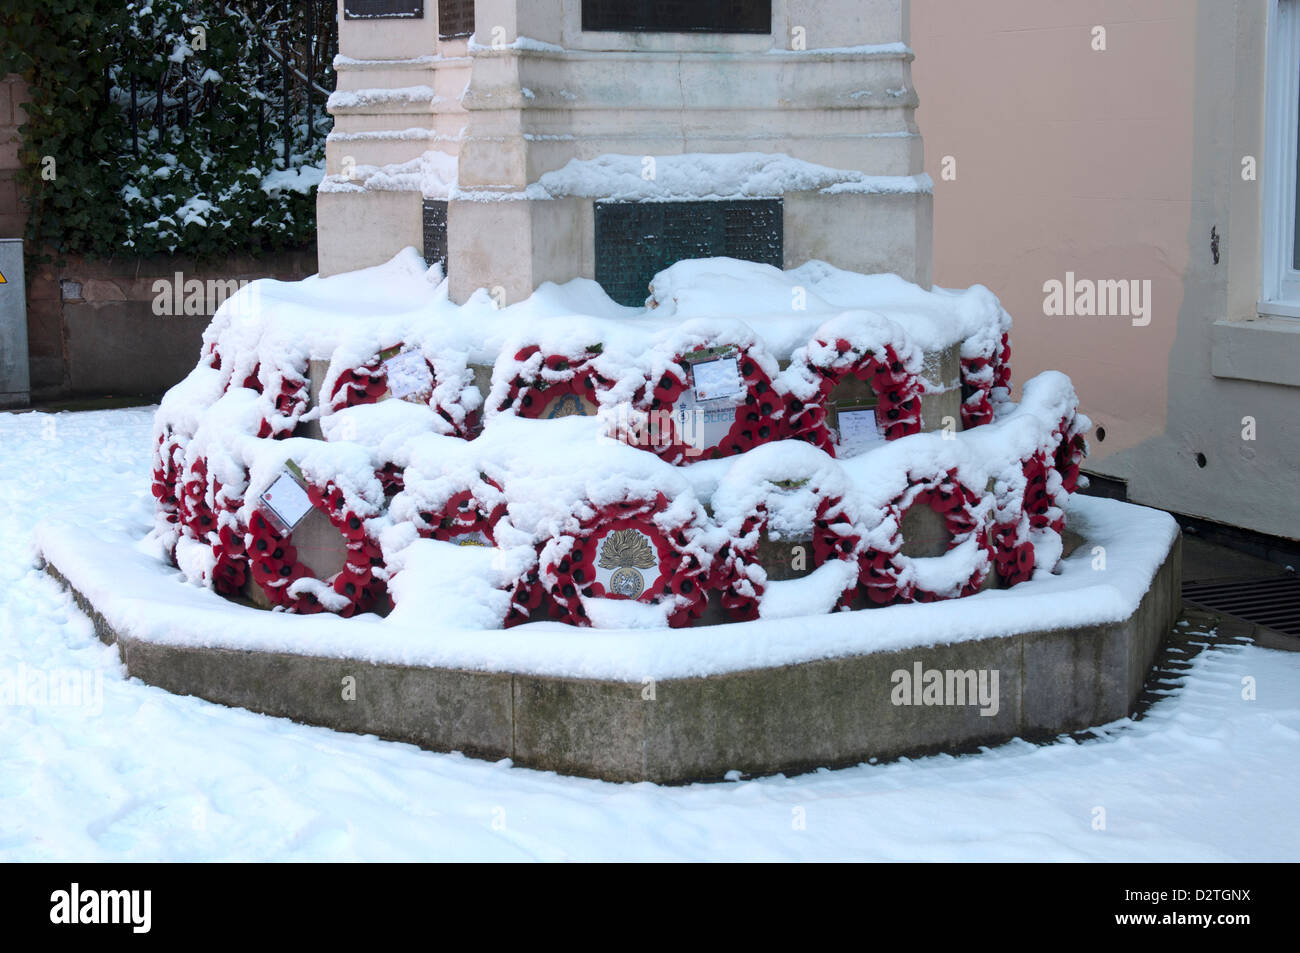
(13,93)
(98,333)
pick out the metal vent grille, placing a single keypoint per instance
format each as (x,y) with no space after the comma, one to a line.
(455,18)
(435,233)
(1273,602)
(634,240)
(381,9)
(678,16)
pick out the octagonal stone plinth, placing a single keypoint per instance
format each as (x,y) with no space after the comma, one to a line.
(790,718)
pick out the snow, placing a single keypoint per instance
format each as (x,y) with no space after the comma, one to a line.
(358,99)
(140,774)
(625,178)
(302,179)
(432,173)
(412,62)
(518,43)
(699,175)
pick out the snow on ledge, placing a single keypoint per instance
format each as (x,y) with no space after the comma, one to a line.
(692,176)
(344,100)
(700,176)
(141,597)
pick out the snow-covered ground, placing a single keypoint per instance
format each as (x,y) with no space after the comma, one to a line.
(139,774)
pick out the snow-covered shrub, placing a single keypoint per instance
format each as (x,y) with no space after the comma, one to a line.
(167,123)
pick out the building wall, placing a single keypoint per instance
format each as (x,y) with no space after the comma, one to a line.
(1118,164)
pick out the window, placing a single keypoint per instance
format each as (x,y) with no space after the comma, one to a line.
(1280,264)
(455,18)
(635,240)
(382,9)
(677,16)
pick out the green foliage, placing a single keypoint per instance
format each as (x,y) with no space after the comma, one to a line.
(190,175)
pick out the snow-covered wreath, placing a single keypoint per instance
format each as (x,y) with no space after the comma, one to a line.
(789,496)
(709,390)
(865,346)
(643,548)
(963,568)
(289,583)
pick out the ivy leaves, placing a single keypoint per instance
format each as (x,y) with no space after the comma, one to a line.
(181,172)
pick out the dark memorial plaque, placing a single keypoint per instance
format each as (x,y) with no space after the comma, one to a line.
(435,233)
(383,9)
(455,18)
(635,240)
(677,16)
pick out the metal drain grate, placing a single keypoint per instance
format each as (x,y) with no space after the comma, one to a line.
(1273,602)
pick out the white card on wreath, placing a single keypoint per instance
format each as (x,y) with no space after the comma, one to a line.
(715,380)
(408,374)
(859,430)
(287,500)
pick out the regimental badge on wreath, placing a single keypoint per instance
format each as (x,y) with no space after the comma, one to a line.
(624,554)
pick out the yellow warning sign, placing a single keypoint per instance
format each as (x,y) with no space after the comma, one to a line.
(3,280)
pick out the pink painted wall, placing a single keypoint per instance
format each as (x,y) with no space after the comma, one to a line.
(1067,159)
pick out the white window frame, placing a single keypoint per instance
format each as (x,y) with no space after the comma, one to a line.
(1279,279)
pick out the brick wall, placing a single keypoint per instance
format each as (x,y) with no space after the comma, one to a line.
(13,93)
(100,332)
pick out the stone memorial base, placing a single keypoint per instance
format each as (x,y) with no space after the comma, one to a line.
(948,697)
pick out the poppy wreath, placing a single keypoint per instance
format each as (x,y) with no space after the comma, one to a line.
(979,377)
(359,385)
(470,511)
(252,381)
(392,478)
(168,460)
(834,536)
(957,504)
(539,379)
(1013,556)
(1039,500)
(882,576)
(568,562)
(368,382)
(288,388)
(977,384)
(207,514)
(1013,550)
(1002,365)
(898,391)
(528,597)
(1070,452)
(275,565)
(761,418)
